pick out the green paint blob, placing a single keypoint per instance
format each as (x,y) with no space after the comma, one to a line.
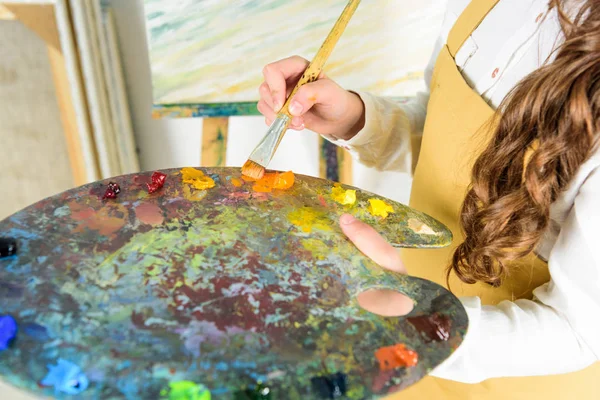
(186,390)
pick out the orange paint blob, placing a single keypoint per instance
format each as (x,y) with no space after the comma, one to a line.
(284,181)
(262,188)
(396,356)
(274,180)
(236,182)
(248,178)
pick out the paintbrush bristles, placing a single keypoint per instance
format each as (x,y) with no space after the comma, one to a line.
(253,170)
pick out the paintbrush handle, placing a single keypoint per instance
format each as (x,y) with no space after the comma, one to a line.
(316,66)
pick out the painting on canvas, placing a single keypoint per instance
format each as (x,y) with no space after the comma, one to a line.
(207,55)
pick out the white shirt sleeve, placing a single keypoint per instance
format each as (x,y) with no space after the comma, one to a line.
(558,331)
(385,141)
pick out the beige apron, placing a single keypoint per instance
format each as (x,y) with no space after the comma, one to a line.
(451,142)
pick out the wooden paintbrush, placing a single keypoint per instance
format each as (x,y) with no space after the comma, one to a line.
(263,153)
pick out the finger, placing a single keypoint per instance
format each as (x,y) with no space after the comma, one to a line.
(296,124)
(265,110)
(371,243)
(265,94)
(324,92)
(278,74)
(297,127)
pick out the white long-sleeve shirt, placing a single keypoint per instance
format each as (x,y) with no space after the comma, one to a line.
(559,330)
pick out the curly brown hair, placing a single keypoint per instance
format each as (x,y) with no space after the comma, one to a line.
(544,130)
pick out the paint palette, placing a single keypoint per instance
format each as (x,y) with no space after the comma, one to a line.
(225,288)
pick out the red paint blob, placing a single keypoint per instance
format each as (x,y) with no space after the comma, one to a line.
(158,181)
(396,356)
(159,178)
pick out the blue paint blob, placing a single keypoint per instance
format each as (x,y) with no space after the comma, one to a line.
(221,366)
(205,364)
(216,178)
(36,331)
(66,377)
(243,364)
(8,331)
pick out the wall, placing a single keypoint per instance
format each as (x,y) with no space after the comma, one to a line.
(33,152)
(176,142)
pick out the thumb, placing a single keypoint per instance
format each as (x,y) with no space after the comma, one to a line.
(371,243)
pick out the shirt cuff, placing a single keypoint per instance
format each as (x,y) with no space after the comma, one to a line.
(384,143)
(371,129)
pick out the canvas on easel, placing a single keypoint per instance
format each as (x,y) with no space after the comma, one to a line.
(207,56)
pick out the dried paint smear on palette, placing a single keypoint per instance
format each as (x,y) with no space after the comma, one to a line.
(207,285)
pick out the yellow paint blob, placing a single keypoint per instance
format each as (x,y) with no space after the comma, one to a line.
(380,208)
(197,179)
(308,219)
(344,197)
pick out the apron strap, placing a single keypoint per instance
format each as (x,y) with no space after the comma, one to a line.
(467,22)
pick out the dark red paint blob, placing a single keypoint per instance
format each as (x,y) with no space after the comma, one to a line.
(112,191)
(435,327)
(114,187)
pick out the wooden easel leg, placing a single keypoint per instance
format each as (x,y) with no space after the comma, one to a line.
(335,163)
(345,167)
(214,142)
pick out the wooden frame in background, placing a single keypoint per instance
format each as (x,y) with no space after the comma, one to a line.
(51,21)
(88,78)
